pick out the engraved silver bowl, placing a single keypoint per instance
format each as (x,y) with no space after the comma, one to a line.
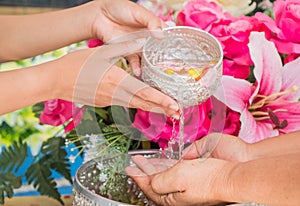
(188,46)
(86,184)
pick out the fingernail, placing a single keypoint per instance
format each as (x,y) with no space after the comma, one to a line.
(158,34)
(174,107)
(137,72)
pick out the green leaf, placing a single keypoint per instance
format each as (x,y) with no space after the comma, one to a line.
(8,182)
(39,174)
(120,115)
(54,148)
(37,109)
(13,156)
(103,113)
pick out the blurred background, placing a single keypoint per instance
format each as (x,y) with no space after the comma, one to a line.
(35,6)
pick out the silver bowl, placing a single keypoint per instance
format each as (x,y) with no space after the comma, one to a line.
(185,46)
(86,183)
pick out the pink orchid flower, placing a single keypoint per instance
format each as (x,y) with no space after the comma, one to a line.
(270,106)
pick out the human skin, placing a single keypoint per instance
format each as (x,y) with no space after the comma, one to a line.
(265,172)
(228,147)
(26,36)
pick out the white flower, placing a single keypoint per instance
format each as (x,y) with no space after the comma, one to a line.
(102,177)
(94,139)
(100,166)
(236,7)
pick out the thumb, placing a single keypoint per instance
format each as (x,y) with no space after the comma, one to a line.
(203,147)
(166,182)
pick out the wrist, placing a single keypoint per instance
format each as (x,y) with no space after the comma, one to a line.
(249,152)
(224,187)
(66,71)
(93,9)
(85,16)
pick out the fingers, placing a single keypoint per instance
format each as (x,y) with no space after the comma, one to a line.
(144,164)
(152,95)
(153,165)
(157,188)
(135,64)
(191,152)
(123,48)
(137,94)
(204,147)
(146,18)
(160,103)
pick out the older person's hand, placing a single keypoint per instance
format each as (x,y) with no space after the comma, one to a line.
(189,182)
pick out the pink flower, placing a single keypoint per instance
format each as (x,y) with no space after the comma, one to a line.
(232,123)
(231,68)
(202,14)
(58,112)
(158,128)
(287,17)
(235,40)
(167,17)
(94,43)
(270,106)
(286,28)
(290,58)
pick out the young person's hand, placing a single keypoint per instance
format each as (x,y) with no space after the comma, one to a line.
(121,17)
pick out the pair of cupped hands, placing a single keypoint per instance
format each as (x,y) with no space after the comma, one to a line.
(192,180)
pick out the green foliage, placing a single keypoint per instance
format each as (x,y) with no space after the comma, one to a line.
(37,109)
(13,157)
(258,8)
(11,160)
(54,148)
(8,182)
(21,132)
(40,175)
(51,157)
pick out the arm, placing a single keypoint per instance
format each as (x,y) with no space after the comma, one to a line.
(272,181)
(29,35)
(27,86)
(233,148)
(283,144)
(85,76)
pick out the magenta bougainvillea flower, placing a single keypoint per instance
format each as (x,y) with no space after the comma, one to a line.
(270,106)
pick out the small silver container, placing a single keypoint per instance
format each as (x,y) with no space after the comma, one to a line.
(186,46)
